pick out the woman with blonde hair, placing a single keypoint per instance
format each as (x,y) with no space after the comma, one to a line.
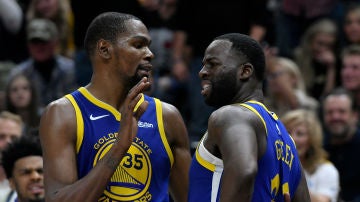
(321,175)
(285,87)
(316,57)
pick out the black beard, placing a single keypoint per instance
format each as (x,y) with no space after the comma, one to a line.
(223,90)
(135,79)
(37,200)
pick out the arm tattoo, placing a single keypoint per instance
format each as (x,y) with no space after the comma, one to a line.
(112,163)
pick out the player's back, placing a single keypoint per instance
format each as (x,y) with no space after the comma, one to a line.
(279,169)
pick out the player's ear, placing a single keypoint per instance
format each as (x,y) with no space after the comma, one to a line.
(104,48)
(245,71)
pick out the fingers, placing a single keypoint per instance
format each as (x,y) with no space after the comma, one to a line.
(139,88)
(134,105)
(287,197)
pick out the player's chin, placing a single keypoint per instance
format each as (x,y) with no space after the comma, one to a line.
(143,72)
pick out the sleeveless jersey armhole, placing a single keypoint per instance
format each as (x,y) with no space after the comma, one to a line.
(79,122)
(159,118)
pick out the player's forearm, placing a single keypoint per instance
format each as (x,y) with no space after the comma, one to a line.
(179,188)
(92,186)
(237,186)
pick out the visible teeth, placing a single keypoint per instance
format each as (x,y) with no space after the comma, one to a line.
(206,86)
(36,189)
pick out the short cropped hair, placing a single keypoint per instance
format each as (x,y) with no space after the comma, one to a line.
(341,91)
(248,48)
(11,116)
(25,146)
(105,26)
(353,49)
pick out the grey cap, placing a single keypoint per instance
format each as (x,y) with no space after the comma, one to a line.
(42,29)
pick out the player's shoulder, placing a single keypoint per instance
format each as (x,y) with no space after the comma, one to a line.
(169,109)
(231,112)
(58,103)
(60,107)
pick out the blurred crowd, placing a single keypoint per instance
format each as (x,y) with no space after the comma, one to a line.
(312,83)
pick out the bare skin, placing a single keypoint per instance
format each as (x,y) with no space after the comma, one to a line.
(112,64)
(239,151)
(241,154)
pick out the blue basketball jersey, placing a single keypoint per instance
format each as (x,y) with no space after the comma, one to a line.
(143,174)
(279,169)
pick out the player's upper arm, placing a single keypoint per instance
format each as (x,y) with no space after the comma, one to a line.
(302,191)
(58,137)
(234,130)
(177,136)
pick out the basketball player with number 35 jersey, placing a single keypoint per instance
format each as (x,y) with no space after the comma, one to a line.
(137,176)
(108,141)
(246,153)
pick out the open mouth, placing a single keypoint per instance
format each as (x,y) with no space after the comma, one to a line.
(205,87)
(36,189)
(145,69)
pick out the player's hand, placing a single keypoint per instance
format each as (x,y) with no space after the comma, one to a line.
(129,117)
(287,197)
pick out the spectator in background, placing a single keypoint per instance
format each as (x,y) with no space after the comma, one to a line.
(293,17)
(10,129)
(350,71)
(343,140)
(317,58)
(321,175)
(171,72)
(11,21)
(52,74)
(11,15)
(12,32)
(23,164)
(22,99)
(351,25)
(285,87)
(60,12)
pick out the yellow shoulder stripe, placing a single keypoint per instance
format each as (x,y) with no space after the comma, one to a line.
(79,122)
(256,112)
(159,116)
(100,103)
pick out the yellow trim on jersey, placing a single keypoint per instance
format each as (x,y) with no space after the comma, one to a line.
(292,140)
(259,103)
(139,103)
(162,130)
(203,162)
(79,122)
(285,188)
(256,112)
(100,103)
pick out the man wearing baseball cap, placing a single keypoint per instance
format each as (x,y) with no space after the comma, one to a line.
(42,29)
(52,74)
